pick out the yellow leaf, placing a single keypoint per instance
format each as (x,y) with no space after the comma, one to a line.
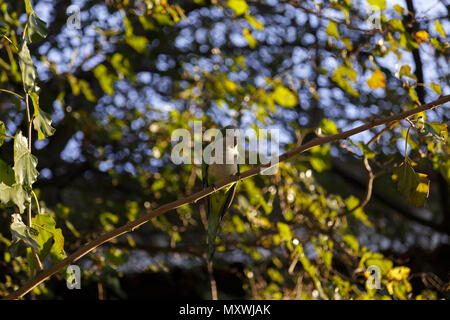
(421,36)
(436,87)
(254,23)
(377,80)
(248,36)
(238,6)
(440,29)
(284,97)
(398,273)
(332,30)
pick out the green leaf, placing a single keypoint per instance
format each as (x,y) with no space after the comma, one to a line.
(43,125)
(399,9)
(440,29)
(5,193)
(254,23)
(28,7)
(248,36)
(413,95)
(328,127)
(351,202)
(420,193)
(29,74)
(284,97)
(332,30)
(351,241)
(407,178)
(405,70)
(24,162)
(2,133)
(381,4)
(369,153)
(37,28)
(436,87)
(434,129)
(320,158)
(31,263)
(285,231)
(14,194)
(377,80)
(3,31)
(22,232)
(6,174)
(397,25)
(50,238)
(375,259)
(105,79)
(238,6)
(35,99)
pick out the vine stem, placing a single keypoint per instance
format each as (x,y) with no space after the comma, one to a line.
(30,124)
(13,93)
(406,142)
(133,225)
(37,201)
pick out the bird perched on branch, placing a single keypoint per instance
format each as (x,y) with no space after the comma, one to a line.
(215,168)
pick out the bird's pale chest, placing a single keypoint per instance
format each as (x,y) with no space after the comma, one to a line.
(218,172)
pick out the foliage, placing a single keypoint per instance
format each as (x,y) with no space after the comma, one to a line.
(106,98)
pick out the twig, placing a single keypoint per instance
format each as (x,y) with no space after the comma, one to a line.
(212,281)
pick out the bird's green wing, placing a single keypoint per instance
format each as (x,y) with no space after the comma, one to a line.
(218,204)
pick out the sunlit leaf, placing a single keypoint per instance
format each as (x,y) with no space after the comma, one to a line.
(50,238)
(440,29)
(6,174)
(24,162)
(284,97)
(2,133)
(238,6)
(37,28)
(399,9)
(436,87)
(254,23)
(20,231)
(105,79)
(398,273)
(328,127)
(369,153)
(43,125)
(420,193)
(377,80)
(248,36)
(405,70)
(421,36)
(332,29)
(3,30)
(14,194)
(29,74)
(379,4)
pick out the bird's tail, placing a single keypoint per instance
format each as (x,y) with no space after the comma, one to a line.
(211,241)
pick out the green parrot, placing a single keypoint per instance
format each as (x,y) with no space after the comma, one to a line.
(218,203)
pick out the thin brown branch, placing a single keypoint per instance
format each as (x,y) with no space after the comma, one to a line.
(131,226)
(212,281)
